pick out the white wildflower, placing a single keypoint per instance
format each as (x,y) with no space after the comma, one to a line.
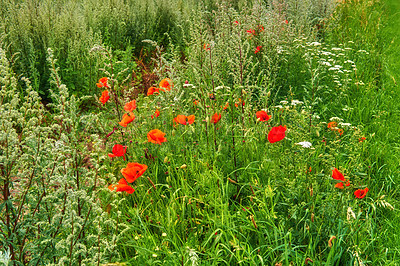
(326,64)
(305,144)
(315,44)
(284,102)
(278,106)
(335,118)
(5,257)
(193,256)
(296,102)
(350,214)
(344,124)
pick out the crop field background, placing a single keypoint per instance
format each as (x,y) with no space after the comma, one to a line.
(212,132)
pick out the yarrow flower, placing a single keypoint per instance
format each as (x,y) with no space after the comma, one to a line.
(276,134)
(102,83)
(118,151)
(156,136)
(121,186)
(262,116)
(133,171)
(104,97)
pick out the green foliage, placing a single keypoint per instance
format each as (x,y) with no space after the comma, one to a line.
(52,166)
(214,192)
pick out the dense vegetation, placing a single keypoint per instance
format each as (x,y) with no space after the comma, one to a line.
(198,132)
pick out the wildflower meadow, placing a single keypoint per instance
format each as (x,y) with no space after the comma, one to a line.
(213,132)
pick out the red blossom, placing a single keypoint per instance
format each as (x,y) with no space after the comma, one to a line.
(118,151)
(126,119)
(263,116)
(361,193)
(156,136)
(337,175)
(184,120)
(129,107)
(102,83)
(215,118)
(276,134)
(104,97)
(156,114)
(133,171)
(122,186)
(166,84)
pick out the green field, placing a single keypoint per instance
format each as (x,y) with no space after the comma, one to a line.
(213,132)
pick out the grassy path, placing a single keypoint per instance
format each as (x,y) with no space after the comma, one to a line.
(390,128)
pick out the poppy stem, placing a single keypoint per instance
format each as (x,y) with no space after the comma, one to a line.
(148,178)
(215,138)
(241,79)
(233,147)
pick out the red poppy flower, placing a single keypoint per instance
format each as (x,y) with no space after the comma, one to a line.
(195,102)
(286,22)
(126,119)
(276,134)
(238,102)
(154,90)
(258,48)
(361,139)
(339,185)
(156,114)
(206,46)
(215,118)
(183,120)
(261,28)
(118,151)
(263,116)
(251,31)
(102,83)
(129,107)
(133,171)
(337,175)
(156,136)
(226,106)
(332,125)
(122,186)
(104,97)
(166,84)
(236,22)
(361,193)
(347,183)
